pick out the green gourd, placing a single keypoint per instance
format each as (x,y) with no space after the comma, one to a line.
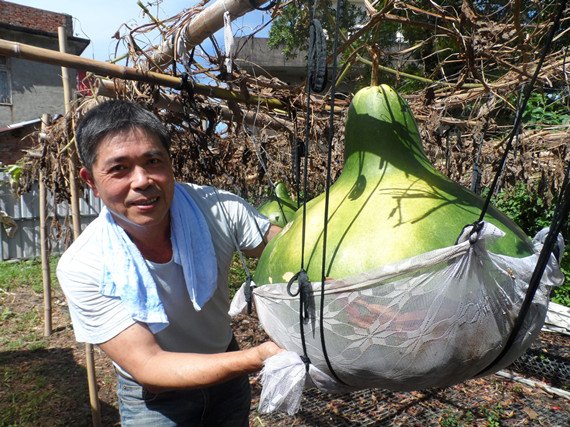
(388,204)
(280,208)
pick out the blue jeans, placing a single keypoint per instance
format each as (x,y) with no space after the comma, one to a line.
(226,404)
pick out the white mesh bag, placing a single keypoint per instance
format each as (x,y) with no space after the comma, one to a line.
(433,320)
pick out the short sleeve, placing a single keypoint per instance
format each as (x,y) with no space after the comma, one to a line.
(96,318)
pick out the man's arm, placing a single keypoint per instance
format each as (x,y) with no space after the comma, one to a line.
(272,231)
(137,352)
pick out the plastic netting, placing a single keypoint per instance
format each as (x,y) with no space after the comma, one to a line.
(429,321)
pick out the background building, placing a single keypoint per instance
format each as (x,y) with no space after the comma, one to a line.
(29,89)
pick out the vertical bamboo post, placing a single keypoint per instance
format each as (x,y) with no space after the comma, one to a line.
(75,215)
(46,280)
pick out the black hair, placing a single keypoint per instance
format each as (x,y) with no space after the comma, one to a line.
(112,117)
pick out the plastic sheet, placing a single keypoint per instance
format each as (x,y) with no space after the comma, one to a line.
(433,320)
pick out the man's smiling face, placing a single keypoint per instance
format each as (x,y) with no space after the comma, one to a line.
(133,177)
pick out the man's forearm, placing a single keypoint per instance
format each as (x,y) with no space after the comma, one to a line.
(167,370)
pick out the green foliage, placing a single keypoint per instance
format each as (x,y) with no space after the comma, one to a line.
(528,208)
(546,109)
(493,415)
(25,273)
(14,173)
(290,29)
(237,273)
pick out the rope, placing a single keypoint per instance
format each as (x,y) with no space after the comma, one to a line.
(330,134)
(560,218)
(302,272)
(561,211)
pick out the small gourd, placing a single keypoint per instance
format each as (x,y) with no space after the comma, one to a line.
(279,208)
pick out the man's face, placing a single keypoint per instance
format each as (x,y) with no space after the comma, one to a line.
(133,177)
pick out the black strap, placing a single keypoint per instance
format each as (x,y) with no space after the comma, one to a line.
(520,111)
(186,84)
(340,6)
(317,57)
(306,306)
(262,8)
(558,222)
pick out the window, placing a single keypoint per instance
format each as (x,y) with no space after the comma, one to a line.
(5,84)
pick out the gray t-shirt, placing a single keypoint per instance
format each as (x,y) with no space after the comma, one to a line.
(97,318)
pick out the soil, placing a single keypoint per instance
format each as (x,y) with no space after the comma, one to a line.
(45,383)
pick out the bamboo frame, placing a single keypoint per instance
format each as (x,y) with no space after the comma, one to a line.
(47,56)
(106,88)
(75,215)
(44,254)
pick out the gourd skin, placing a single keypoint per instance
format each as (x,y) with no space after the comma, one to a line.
(280,208)
(388,204)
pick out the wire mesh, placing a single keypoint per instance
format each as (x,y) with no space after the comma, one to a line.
(485,401)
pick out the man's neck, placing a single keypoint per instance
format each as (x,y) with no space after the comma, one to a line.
(153,243)
(159,252)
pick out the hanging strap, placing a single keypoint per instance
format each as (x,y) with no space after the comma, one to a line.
(561,213)
(317,57)
(340,6)
(518,119)
(560,218)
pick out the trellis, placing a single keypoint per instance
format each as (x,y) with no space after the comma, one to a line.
(269,115)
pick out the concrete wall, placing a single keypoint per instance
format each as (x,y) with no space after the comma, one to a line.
(254,55)
(36,89)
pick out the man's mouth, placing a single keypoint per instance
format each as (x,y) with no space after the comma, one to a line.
(146,202)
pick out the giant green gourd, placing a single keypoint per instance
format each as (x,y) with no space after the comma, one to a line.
(388,204)
(279,208)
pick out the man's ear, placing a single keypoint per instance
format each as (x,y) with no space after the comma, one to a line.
(88,178)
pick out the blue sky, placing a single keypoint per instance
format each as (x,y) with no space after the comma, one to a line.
(98,20)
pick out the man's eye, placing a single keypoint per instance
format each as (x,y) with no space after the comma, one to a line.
(154,161)
(117,168)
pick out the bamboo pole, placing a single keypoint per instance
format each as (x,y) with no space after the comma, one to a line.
(46,279)
(201,26)
(75,215)
(67,95)
(47,56)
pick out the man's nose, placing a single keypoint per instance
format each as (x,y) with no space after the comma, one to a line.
(141,178)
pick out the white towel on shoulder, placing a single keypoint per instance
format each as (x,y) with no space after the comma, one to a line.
(126,274)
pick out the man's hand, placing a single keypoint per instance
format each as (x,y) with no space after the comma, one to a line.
(137,352)
(268,349)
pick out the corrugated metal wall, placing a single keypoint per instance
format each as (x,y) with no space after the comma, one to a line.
(25,211)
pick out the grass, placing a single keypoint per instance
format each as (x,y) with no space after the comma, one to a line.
(22,324)
(42,379)
(237,273)
(25,273)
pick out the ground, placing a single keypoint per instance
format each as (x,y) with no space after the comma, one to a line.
(44,383)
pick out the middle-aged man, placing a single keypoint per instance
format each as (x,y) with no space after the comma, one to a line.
(147,280)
